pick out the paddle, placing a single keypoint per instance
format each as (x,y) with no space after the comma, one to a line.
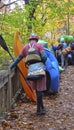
(4,46)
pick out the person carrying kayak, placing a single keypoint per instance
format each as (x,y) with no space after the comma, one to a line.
(35,58)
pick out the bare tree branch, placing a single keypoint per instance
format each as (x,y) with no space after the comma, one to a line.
(8,4)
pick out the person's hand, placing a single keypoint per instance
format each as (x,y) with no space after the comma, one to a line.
(12,65)
(16,61)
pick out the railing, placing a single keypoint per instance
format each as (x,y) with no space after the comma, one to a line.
(9,85)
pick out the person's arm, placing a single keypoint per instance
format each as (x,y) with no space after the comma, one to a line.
(60,46)
(19,58)
(43,56)
(42,53)
(66,51)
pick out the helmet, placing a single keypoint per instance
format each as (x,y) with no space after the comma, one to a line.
(72,45)
(33,36)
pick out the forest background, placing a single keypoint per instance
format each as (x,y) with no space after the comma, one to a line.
(48,18)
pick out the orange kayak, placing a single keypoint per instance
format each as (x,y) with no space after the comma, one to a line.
(30,92)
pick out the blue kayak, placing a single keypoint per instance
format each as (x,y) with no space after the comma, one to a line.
(52,68)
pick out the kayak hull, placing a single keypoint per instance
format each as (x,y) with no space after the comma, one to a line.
(27,87)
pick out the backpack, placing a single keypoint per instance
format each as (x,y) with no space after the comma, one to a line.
(32,56)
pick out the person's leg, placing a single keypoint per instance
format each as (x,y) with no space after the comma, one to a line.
(62,60)
(40,87)
(73,58)
(69,56)
(40,107)
(38,101)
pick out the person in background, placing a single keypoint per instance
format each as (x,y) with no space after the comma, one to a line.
(40,83)
(60,57)
(63,58)
(69,51)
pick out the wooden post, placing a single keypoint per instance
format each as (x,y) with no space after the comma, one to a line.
(9,85)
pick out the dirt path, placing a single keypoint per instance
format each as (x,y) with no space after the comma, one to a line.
(59,109)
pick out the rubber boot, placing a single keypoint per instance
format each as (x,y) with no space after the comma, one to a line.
(43,111)
(38,102)
(40,107)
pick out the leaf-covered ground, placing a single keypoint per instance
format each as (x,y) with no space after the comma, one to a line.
(59,109)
